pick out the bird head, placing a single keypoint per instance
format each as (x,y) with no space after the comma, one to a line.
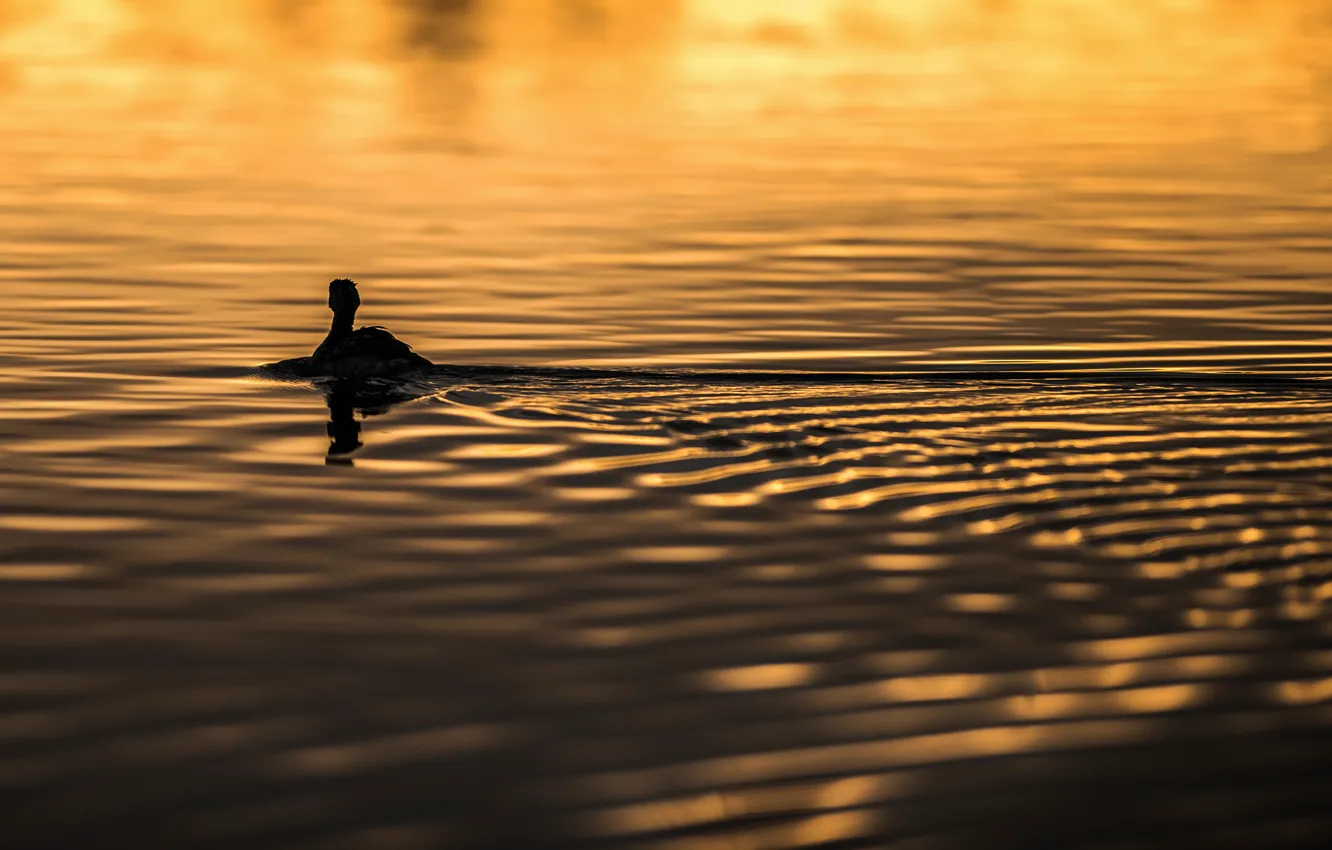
(342,296)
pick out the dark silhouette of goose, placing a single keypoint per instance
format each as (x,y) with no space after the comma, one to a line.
(368,352)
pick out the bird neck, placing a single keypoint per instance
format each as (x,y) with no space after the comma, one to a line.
(342,324)
(338,331)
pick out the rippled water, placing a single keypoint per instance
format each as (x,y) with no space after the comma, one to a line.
(861,424)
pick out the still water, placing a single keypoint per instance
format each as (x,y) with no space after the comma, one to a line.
(1034,550)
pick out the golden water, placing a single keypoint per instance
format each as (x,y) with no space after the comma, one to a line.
(1051,568)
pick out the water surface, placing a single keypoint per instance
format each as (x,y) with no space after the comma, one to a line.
(858,424)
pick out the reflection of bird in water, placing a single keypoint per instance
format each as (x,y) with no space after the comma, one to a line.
(348,397)
(344,432)
(369,352)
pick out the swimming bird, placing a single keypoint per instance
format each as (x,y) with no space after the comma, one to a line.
(368,352)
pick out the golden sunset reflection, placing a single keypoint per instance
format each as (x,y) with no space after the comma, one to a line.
(761,677)
(846,422)
(486,138)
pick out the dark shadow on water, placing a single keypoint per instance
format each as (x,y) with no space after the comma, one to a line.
(351,400)
(442,28)
(444,376)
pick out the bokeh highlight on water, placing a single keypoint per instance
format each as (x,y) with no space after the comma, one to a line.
(1034,551)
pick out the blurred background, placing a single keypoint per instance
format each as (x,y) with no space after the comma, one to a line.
(810,184)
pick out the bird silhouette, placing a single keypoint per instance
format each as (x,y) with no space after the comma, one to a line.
(367,352)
